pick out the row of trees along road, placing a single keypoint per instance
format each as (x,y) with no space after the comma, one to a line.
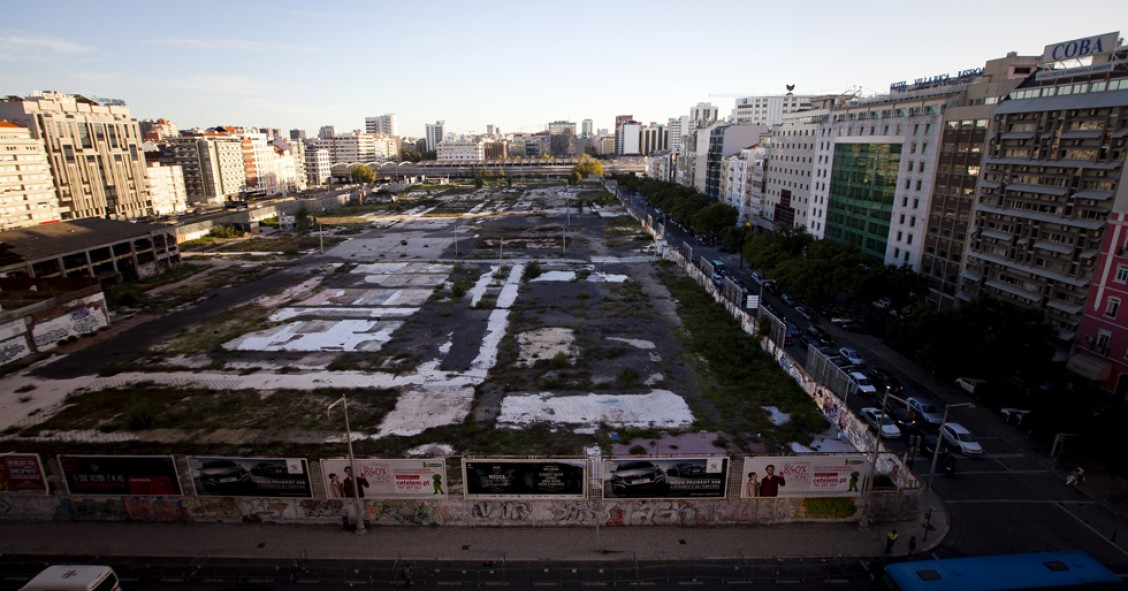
(987,338)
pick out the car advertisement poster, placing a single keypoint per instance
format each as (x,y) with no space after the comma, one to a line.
(666,478)
(560,478)
(385,479)
(839,475)
(120,475)
(22,473)
(250,477)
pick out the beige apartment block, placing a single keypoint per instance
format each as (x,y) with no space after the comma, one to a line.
(94,151)
(27,193)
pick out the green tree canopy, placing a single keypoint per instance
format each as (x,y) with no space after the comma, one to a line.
(362,174)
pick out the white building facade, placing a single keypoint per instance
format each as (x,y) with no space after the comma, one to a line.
(27,191)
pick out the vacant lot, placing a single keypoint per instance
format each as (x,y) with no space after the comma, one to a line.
(514,320)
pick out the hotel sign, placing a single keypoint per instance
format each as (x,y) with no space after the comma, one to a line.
(938,79)
(1079,48)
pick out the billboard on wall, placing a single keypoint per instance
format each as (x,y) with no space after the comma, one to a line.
(525,478)
(120,475)
(804,476)
(666,478)
(22,473)
(385,479)
(249,477)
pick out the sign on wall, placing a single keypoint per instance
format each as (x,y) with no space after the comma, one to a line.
(525,478)
(250,477)
(385,479)
(120,475)
(804,476)
(668,478)
(22,473)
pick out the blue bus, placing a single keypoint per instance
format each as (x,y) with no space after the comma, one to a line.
(1009,572)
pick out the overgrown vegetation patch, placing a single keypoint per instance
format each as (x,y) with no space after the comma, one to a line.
(739,378)
(219,329)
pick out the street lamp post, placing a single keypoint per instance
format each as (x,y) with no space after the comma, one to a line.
(940,438)
(344,402)
(864,521)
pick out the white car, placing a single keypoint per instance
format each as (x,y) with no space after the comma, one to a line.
(864,385)
(958,436)
(883,424)
(925,410)
(851,354)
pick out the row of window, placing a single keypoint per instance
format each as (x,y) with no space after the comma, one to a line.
(1071,88)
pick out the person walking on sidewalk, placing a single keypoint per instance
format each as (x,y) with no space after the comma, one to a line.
(406,575)
(1075,477)
(912,546)
(890,540)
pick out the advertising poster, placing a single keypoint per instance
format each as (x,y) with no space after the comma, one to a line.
(250,477)
(804,476)
(525,478)
(22,473)
(385,479)
(666,478)
(120,475)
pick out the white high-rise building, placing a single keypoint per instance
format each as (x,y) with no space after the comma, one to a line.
(319,163)
(629,139)
(27,191)
(677,128)
(470,149)
(586,128)
(768,110)
(383,124)
(166,186)
(434,135)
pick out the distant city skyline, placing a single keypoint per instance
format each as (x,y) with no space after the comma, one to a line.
(295,65)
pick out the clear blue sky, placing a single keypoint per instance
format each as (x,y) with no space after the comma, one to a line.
(516,64)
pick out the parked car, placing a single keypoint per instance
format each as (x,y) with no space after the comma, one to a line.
(819,335)
(718,279)
(758,277)
(864,386)
(960,438)
(925,410)
(636,476)
(928,445)
(788,299)
(883,380)
(851,354)
(884,425)
(840,362)
(970,385)
(806,312)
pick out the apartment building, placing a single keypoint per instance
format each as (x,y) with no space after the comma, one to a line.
(726,140)
(27,191)
(768,110)
(434,135)
(1052,175)
(962,142)
(463,150)
(384,124)
(213,167)
(791,158)
(94,150)
(166,188)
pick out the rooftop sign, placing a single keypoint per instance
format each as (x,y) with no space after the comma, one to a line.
(1079,48)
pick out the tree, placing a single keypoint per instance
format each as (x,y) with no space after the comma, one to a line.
(361,174)
(302,220)
(574,178)
(588,166)
(412,156)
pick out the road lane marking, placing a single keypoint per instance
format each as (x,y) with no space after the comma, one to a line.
(1094,530)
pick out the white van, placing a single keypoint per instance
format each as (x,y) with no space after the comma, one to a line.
(74,577)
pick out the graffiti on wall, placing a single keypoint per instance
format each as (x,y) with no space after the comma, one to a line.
(13,349)
(78,322)
(399,512)
(502,511)
(321,509)
(155,509)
